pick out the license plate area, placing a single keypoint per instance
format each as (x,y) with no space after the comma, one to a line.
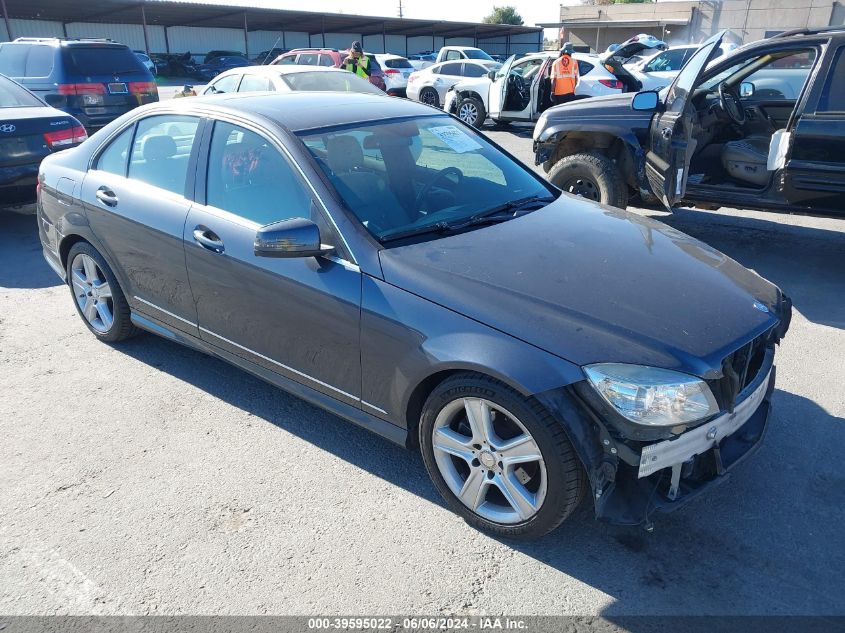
(117,88)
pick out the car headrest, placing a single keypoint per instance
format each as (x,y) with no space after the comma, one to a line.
(344,154)
(158,147)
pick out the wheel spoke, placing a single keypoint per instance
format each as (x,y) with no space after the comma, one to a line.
(449,441)
(78,280)
(472,493)
(480,420)
(522,501)
(520,450)
(89,310)
(105,314)
(90,268)
(103,290)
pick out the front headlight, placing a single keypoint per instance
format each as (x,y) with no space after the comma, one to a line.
(651,396)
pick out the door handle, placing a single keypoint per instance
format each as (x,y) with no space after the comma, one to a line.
(208,239)
(106,196)
(666,133)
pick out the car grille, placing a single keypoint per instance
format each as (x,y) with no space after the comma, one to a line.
(740,369)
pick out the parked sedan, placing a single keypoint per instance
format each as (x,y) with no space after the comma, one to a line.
(533,345)
(217,65)
(431,84)
(29,131)
(288,79)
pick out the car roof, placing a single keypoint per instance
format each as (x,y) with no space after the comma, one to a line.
(281,69)
(298,111)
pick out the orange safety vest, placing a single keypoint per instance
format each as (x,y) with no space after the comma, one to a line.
(564,75)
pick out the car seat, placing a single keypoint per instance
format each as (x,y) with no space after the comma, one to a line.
(746,159)
(160,167)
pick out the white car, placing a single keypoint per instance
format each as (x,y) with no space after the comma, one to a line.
(660,70)
(458,53)
(396,70)
(288,78)
(429,85)
(145,59)
(521,89)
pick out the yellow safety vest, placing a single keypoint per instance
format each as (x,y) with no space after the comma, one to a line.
(359,66)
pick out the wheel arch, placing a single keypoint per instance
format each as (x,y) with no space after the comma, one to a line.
(617,144)
(80,234)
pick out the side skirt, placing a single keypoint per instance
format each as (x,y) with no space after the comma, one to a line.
(389,431)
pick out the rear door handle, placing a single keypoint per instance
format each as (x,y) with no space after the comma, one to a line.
(106,196)
(208,239)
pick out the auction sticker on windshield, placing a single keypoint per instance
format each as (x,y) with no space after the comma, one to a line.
(455,138)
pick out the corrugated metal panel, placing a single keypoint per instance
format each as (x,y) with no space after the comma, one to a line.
(32,28)
(460,41)
(200,40)
(296,39)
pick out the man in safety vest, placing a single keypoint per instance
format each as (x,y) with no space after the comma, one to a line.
(356,62)
(564,76)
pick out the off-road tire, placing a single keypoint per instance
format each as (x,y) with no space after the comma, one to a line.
(599,169)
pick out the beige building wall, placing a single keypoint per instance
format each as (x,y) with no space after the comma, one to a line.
(748,20)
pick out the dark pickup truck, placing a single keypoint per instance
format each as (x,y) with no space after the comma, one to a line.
(761,128)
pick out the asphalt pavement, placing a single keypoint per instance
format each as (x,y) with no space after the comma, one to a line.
(146,478)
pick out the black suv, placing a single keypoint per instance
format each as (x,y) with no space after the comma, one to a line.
(761,128)
(95,81)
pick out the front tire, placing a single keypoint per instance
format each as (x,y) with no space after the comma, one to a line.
(97,296)
(592,176)
(471,111)
(500,460)
(430,97)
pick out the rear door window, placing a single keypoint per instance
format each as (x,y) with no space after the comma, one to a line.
(162,151)
(326,60)
(833,97)
(254,83)
(453,69)
(308,59)
(453,55)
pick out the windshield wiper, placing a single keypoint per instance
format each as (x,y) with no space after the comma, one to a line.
(500,213)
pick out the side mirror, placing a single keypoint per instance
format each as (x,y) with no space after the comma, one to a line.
(746,89)
(56,101)
(491,75)
(646,101)
(296,237)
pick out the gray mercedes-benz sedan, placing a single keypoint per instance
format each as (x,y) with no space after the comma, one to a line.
(380,259)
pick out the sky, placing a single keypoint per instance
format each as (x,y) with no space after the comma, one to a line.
(462,11)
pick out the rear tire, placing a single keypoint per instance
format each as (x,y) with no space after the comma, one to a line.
(592,176)
(97,296)
(471,111)
(524,489)
(430,97)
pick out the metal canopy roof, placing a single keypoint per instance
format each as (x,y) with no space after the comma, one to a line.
(593,23)
(174,13)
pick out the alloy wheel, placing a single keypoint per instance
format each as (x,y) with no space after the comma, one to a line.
(92,291)
(489,460)
(583,187)
(468,113)
(429,97)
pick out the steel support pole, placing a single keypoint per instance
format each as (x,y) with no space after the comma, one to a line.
(246,36)
(146,36)
(6,20)
(383,38)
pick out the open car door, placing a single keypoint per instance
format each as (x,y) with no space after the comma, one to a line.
(498,89)
(670,137)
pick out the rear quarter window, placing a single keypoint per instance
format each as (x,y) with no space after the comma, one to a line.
(13,60)
(584,67)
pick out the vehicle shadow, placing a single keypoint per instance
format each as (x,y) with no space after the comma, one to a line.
(761,543)
(807,263)
(21,248)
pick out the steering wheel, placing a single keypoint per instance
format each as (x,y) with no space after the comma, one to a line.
(440,175)
(517,82)
(730,104)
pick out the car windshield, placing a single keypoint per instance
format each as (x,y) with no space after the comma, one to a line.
(477,54)
(418,177)
(329,81)
(13,96)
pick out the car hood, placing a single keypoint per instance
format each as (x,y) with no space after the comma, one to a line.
(594,284)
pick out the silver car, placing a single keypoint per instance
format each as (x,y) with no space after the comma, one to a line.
(431,84)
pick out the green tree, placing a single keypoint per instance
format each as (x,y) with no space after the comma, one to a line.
(504,15)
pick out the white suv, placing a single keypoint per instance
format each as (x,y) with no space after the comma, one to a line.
(521,90)
(396,70)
